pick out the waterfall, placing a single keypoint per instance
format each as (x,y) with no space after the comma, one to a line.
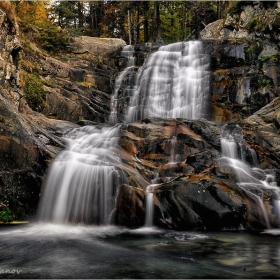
(253,180)
(82,181)
(173,83)
(122,81)
(149,220)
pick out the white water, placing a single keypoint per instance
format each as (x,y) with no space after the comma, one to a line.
(173,83)
(83,179)
(127,52)
(149,221)
(249,179)
(173,154)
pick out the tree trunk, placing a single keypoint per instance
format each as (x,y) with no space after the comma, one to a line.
(146,21)
(158,22)
(128,27)
(81,14)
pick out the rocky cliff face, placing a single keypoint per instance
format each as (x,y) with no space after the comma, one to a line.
(244,50)
(80,81)
(27,140)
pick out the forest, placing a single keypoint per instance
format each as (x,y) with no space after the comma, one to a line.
(133,21)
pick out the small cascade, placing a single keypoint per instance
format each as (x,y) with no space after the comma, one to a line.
(251,179)
(128,53)
(123,84)
(173,83)
(255,161)
(82,181)
(149,220)
(173,155)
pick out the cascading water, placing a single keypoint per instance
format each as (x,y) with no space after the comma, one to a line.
(251,179)
(149,221)
(82,181)
(123,82)
(173,83)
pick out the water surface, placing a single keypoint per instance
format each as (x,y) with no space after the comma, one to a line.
(60,251)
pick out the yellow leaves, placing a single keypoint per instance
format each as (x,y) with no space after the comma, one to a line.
(34,12)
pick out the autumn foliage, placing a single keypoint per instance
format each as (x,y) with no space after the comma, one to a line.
(6,7)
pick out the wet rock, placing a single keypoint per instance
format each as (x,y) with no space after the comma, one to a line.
(262,132)
(162,146)
(130,207)
(175,170)
(199,202)
(200,161)
(200,191)
(208,130)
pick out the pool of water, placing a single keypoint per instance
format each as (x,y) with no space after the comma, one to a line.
(60,251)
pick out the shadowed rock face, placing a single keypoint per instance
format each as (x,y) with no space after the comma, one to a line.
(242,80)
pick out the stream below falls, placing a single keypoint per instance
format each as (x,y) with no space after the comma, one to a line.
(66,251)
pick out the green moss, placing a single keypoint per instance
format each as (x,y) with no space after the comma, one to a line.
(49,84)
(235,8)
(274,57)
(264,83)
(252,24)
(6,215)
(254,50)
(34,93)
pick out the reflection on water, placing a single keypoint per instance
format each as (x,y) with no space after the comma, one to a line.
(56,251)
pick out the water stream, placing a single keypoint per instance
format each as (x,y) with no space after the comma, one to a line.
(250,178)
(149,220)
(173,83)
(83,179)
(56,251)
(123,82)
